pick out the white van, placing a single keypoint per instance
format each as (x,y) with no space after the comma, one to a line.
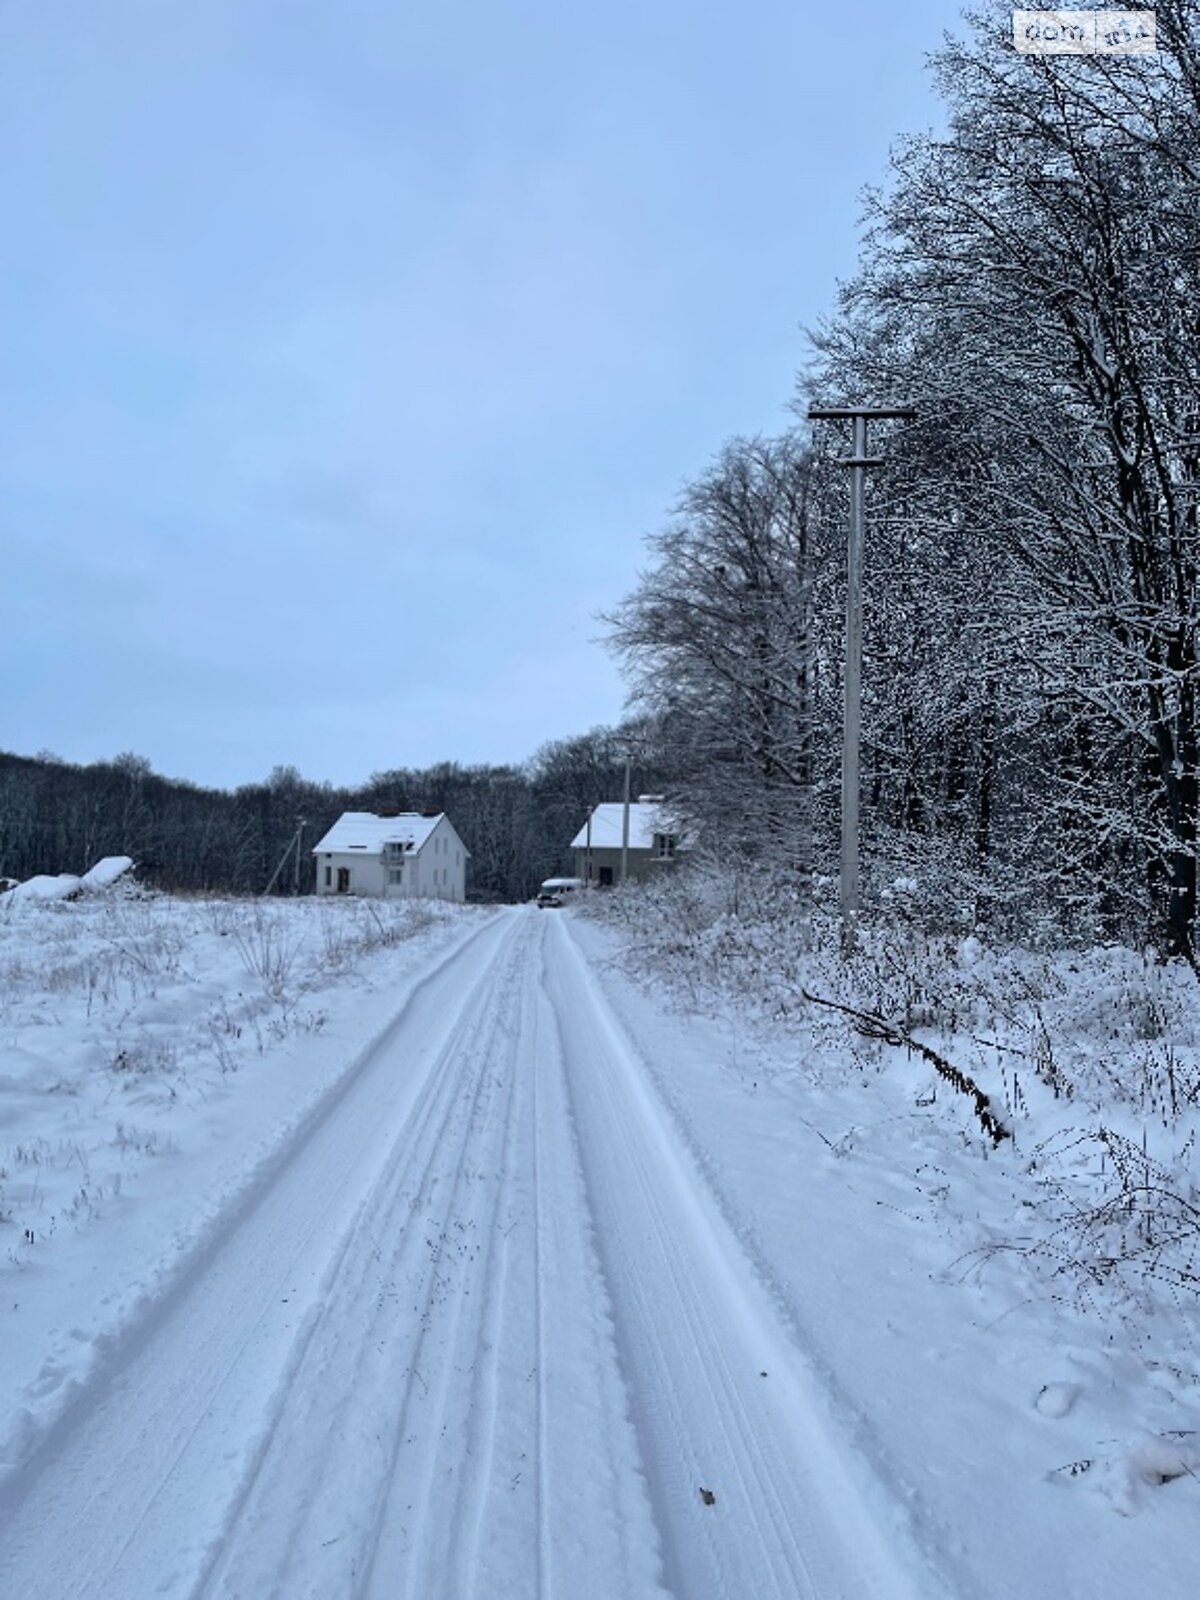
(557,891)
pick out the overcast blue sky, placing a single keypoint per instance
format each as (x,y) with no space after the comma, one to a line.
(348,351)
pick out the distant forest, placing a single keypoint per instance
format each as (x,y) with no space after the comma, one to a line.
(517,821)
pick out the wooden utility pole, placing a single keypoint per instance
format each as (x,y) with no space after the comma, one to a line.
(294,843)
(301,824)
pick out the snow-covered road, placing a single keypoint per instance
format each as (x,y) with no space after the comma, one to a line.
(481,1330)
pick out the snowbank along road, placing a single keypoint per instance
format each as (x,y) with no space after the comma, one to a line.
(480,1332)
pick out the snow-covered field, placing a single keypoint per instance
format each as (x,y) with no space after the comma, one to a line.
(377,1250)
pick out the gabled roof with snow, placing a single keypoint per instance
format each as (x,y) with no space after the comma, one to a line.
(646,818)
(366,834)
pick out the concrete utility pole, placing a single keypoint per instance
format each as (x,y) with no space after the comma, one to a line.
(625,819)
(858,462)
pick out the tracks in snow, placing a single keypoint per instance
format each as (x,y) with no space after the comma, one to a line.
(484,1335)
(722,1400)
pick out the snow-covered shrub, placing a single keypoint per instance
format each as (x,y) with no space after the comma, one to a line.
(1117,1216)
(723,925)
(269,948)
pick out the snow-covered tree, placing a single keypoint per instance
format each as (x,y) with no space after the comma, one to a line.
(1031,281)
(720,642)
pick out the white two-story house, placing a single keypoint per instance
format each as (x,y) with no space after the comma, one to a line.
(398,856)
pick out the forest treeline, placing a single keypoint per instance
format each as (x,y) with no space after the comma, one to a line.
(517,821)
(1030,282)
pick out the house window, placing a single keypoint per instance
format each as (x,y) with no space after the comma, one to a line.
(664,846)
(395,874)
(329,877)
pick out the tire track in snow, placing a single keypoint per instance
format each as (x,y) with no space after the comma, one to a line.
(544,1574)
(460,1401)
(484,1399)
(722,1399)
(547,1481)
(374,1396)
(457,1427)
(595,1528)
